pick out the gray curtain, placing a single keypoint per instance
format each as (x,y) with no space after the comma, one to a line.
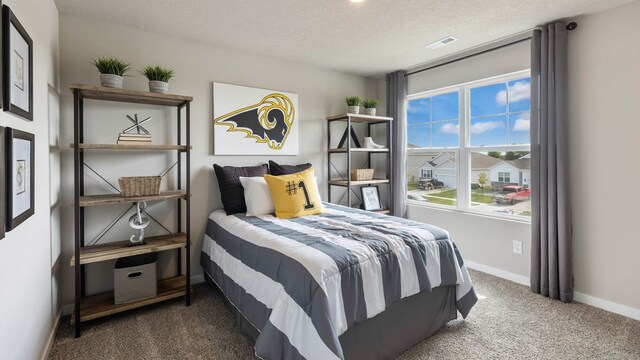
(396,102)
(551,264)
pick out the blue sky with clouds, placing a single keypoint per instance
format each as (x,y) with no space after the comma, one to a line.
(499,116)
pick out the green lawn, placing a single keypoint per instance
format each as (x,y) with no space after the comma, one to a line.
(485,198)
(439,201)
(412,185)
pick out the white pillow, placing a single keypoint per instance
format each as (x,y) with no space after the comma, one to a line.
(257,196)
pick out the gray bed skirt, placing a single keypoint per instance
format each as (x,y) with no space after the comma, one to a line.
(390,333)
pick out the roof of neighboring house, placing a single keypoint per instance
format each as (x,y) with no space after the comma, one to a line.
(483,161)
(521,164)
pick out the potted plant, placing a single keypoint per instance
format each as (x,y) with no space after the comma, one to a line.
(370,106)
(353,105)
(158,78)
(111,71)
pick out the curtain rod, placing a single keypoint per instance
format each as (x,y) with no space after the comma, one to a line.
(570,26)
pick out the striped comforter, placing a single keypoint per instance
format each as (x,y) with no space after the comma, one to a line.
(303,282)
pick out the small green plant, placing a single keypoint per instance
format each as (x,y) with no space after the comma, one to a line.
(370,103)
(111,65)
(353,101)
(157,73)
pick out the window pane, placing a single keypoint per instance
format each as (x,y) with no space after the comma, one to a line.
(445,107)
(431,177)
(445,133)
(519,133)
(418,111)
(500,182)
(520,95)
(489,130)
(418,136)
(489,100)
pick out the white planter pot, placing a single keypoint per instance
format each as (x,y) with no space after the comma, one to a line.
(111,80)
(353,109)
(370,111)
(158,86)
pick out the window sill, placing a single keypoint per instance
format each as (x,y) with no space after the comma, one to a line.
(510,218)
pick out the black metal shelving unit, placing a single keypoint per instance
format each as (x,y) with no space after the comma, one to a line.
(345,180)
(96,306)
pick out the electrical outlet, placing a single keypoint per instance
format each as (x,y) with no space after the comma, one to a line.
(517,247)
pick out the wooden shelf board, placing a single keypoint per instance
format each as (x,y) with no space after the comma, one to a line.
(339,182)
(122,95)
(97,306)
(110,199)
(364,150)
(149,147)
(360,118)
(383,211)
(120,249)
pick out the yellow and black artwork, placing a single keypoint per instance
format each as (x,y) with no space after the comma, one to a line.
(266,124)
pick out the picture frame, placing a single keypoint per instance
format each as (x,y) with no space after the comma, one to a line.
(19,177)
(17,66)
(3,204)
(370,198)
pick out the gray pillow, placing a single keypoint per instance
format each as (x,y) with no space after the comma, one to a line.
(277,169)
(231,189)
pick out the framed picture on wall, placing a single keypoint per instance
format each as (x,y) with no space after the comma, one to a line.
(371,198)
(3,204)
(17,66)
(20,179)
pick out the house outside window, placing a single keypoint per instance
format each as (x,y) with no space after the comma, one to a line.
(470,146)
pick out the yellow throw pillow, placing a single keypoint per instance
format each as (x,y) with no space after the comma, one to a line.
(295,195)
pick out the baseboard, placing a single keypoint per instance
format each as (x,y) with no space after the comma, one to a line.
(603,304)
(196,279)
(519,279)
(610,306)
(52,336)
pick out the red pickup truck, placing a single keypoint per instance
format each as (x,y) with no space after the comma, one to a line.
(512,193)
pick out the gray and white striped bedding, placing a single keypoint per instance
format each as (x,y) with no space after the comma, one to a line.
(303,282)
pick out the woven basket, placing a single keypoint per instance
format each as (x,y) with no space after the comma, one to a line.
(139,185)
(362,174)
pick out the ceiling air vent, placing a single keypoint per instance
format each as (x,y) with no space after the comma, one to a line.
(442,42)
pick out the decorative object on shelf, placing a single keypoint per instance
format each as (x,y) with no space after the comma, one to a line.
(139,185)
(158,78)
(362,174)
(135,134)
(370,106)
(353,105)
(251,121)
(17,66)
(347,132)
(370,144)
(111,71)
(20,177)
(370,198)
(2,184)
(138,222)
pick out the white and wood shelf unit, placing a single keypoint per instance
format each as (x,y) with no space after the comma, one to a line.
(380,122)
(96,306)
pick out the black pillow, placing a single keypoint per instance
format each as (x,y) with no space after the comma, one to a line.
(277,169)
(231,189)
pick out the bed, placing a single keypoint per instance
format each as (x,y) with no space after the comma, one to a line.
(346,284)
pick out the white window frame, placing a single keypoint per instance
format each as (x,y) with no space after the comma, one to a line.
(426,171)
(504,176)
(463,152)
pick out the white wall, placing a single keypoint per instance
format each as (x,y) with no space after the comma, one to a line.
(603,117)
(321,93)
(603,84)
(29,255)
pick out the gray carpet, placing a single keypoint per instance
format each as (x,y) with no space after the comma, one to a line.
(509,322)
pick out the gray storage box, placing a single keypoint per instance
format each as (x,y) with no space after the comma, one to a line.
(135,278)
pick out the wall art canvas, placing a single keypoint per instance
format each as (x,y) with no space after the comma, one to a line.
(252,121)
(17,62)
(20,177)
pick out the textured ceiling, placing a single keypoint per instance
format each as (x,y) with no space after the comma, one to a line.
(368,38)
